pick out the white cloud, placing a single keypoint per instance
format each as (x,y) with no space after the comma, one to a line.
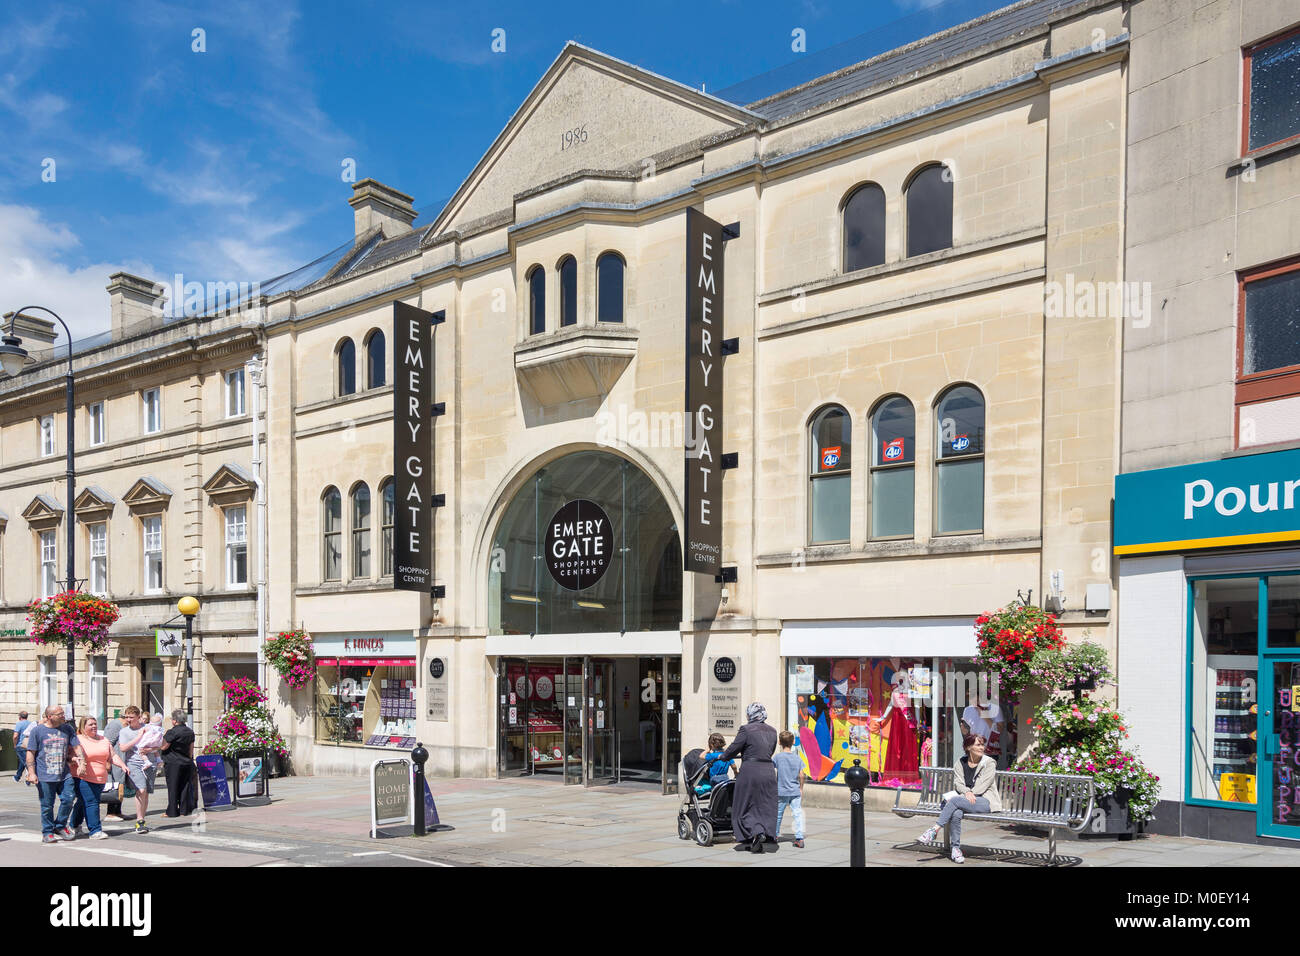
(35,270)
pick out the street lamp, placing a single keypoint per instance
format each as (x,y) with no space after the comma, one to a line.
(12,358)
(189,606)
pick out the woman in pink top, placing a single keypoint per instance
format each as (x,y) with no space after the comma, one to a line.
(91,775)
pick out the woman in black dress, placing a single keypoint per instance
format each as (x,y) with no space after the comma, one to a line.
(178,765)
(753,812)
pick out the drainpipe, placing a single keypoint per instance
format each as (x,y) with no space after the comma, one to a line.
(256,370)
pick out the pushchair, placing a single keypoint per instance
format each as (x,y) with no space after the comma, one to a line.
(703,816)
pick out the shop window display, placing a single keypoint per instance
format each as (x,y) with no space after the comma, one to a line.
(895,715)
(367,704)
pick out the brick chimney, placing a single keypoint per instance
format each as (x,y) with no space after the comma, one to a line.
(136,304)
(375,204)
(35,330)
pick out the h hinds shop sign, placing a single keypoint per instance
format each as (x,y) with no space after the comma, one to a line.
(412,448)
(1253,499)
(702,547)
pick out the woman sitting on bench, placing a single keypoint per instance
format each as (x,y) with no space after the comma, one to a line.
(974,777)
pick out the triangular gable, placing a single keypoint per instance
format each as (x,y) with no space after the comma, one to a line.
(147,494)
(43,510)
(230,482)
(623,113)
(94,502)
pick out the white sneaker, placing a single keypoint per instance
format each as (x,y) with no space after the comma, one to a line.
(99,835)
(956,855)
(929,835)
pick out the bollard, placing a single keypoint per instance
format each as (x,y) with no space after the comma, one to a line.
(418,756)
(856,778)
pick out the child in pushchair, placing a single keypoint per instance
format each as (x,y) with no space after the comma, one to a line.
(706,809)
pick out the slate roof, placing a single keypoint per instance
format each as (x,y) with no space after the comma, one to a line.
(998,25)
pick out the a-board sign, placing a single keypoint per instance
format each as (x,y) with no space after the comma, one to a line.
(251,773)
(212,781)
(390,793)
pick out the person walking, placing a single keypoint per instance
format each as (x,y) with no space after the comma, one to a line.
(789,785)
(116,772)
(91,775)
(20,728)
(178,765)
(139,763)
(48,747)
(973,777)
(753,813)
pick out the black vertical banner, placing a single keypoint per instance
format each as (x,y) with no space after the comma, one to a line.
(412,448)
(702,548)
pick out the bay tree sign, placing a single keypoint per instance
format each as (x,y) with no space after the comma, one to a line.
(703,542)
(412,448)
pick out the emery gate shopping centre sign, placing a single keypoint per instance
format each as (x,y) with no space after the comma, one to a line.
(1252,499)
(412,448)
(702,547)
(578,545)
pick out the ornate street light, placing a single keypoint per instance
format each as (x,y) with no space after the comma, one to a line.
(12,358)
(189,606)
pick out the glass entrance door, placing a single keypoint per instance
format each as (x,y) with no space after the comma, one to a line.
(600,748)
(512,719)
(672,721)
(569,692)
(1279,728)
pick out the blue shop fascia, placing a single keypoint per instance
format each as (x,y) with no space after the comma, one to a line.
(1209,642)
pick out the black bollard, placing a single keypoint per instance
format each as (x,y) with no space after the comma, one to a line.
(418,756)
(856,778)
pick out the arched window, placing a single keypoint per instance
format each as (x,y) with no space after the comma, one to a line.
(332,539)
(536,300)
(609,287)
(830,495)
(959,461)
(375,360)
(568,270)
(864,228)
(929,211)
(893,468)
(361,531)
(386,521)
(346,357)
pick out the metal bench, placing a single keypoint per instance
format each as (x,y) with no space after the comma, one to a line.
(1046,800)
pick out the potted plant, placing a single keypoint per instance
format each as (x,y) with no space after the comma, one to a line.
(246,724)
(293,657)
(83,617)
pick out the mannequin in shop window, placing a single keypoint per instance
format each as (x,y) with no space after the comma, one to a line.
(898,727)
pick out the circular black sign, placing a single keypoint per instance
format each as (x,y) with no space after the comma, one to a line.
(579,543)
(724,670)
(436,668)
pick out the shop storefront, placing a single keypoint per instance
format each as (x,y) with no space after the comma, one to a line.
(1210,640)
(585,603)
(366,690)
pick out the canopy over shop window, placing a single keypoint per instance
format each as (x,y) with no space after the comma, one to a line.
(640,585)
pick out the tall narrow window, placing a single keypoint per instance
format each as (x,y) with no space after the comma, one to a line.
(153,553)
(864,228)
(152,402)
(1272,107)
(929,211)
(49,562)
(95,419)
(609,287)
(376,376)
(332,504)
(829,495)
(536,300)
(1268,364)
(361,531)
(235,393)
(346,359)
(98,534)
(99,688)
(47,435)
(959,464)
(387,520)
(568,270)
(236,547)
(893,469)
(49,680)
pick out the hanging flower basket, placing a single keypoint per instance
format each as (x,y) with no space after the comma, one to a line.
(293,657)
(83,617)
(1008,639)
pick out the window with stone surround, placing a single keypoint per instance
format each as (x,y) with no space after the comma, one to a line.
(830,490)
(959,461)
(610,269)
(893,468)
(536,300)
(864,227)
(929,210)
(345,358)
(376,349)
(568,271)
(1268,354)
(361,531)
(332,539)
(1271,92)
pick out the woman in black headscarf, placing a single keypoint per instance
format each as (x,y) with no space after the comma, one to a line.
(753,813)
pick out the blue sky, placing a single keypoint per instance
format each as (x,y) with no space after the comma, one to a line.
(226,164)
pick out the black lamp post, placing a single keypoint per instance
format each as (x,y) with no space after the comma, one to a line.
(189,606)
(12,358)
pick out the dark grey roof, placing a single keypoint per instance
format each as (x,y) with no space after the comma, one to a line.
(239,471)
(49,502)
(101,494)
(999,25)
(387,251)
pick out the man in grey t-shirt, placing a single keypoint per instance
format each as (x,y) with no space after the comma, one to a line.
(139,762)
(48,747)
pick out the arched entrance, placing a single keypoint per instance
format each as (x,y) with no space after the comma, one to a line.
(584,608)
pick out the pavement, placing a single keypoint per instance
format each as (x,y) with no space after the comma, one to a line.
(324,821)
